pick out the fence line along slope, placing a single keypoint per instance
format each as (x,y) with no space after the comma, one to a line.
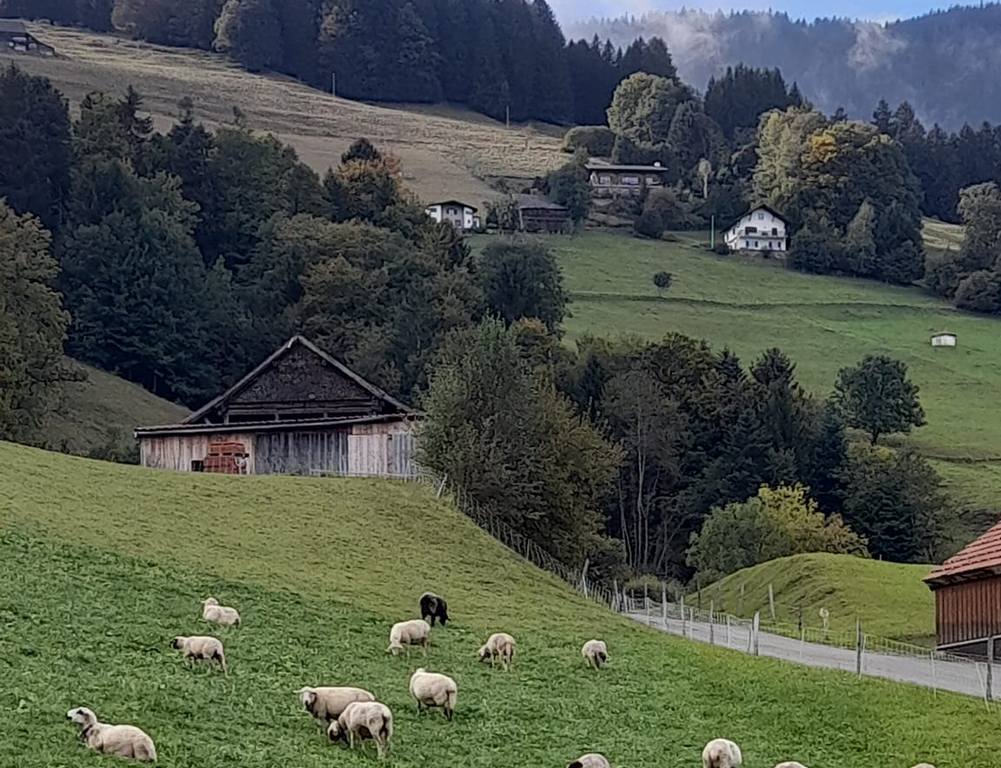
(445,153)
(104,563)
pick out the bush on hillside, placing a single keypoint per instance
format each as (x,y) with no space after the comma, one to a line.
(777,522)
(596,140)
(649,224)
(980,292)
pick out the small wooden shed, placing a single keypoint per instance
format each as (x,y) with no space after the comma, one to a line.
(299,412)
(15,37)
(538,215)
(967,591)
(944,339)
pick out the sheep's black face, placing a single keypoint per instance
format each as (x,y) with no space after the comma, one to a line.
(175,644)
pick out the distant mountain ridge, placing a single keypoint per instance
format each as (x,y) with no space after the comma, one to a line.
(947,64)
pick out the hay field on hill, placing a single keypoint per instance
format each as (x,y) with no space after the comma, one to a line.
(445,152)
(104,563)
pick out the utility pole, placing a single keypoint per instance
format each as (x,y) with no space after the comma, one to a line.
(333,83)
(507,115)
(712,232)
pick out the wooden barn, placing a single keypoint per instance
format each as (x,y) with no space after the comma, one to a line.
(300,412)
(537,214)
(14,36)
(968,598)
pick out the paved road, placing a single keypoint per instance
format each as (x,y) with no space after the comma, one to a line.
(958,677)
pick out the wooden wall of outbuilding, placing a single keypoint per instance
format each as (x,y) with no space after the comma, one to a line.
(384,449)
(968,612)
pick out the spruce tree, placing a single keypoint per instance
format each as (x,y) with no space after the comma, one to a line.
(249,32)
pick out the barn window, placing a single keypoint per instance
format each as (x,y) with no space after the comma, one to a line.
(197,465)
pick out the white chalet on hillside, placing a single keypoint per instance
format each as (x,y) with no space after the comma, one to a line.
(460,215)
(762,230)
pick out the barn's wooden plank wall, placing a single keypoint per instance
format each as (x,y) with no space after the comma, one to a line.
(968,611)
(385,449)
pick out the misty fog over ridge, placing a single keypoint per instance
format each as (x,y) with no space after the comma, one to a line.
(947,64)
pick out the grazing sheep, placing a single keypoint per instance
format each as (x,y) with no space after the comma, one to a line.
(200,647)
(721,753)
(119,740)
(499,646)
(327,703)
(433,690)
(590,760)
(924,765)
(364,720)
(219,614)
(434,607)
(595,653)
(407,633)
(790,765)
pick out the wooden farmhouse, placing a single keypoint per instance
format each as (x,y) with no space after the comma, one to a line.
(300,412)
(537,214)
(610,180)
(14,36)
(968,598)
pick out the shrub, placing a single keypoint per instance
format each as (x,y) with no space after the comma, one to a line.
(596,140)
(632,153)
(649,224)
(663,280)
(721,248)
(775,523)
(980,292)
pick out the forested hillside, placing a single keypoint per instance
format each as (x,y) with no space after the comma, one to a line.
(504,59)
(945,64)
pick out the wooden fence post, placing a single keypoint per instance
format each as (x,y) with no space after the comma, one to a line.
(740,601)
(663,603)
(771,601)
(990,668)
(684,618)
(646,603)
(712,606)
(858,646)
(755,630)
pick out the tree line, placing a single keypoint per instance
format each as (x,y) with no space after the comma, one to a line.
(499,57)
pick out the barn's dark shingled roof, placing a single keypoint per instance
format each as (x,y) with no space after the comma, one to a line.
(980,559)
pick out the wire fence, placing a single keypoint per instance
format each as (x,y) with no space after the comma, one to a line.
(852,651)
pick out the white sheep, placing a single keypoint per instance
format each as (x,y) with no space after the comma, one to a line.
(201,647)
(364,720)
(792,764)
(433,690)
(407,633)
(219,614)
(119,740)
(595,653)
(499,647)
(924,765)
(721,753)
(590,760)
(326,703)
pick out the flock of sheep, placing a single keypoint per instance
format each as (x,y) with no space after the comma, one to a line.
(352,714)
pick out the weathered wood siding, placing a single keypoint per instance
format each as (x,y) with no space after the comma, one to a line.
(364,449)
(969,611)
(176,452)
(301,453)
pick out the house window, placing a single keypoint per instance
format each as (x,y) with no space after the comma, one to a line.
(752,230)
(775,231)
(755,243)
(632,181)
(605,180)
(761,217)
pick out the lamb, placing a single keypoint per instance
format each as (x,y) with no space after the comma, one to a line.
(219,614)
(364,720)
(590,760)
(201,647)
(407,633)
(118,740)
(595,653)
(434,607)
(721,753)
(499,645)
(433,690)
(327,703)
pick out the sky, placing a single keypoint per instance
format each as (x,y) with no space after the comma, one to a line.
(876,10)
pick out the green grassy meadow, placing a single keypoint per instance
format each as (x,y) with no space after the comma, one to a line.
(103,564)
(891,599)
(101,408)
(824,323)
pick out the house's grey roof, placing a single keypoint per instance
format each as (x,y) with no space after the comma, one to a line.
(596,166)
(764,207)
(452,202)
(537,201)
(305,425)
(12,26)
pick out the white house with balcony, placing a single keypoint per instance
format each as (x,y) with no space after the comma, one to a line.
(460,215)
(762,229)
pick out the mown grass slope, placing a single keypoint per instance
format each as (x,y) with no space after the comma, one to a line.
(823,323)
(102,564)
(101,411)
(446,153)
(891,599)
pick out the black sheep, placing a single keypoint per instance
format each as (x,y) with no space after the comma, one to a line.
(434,607)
